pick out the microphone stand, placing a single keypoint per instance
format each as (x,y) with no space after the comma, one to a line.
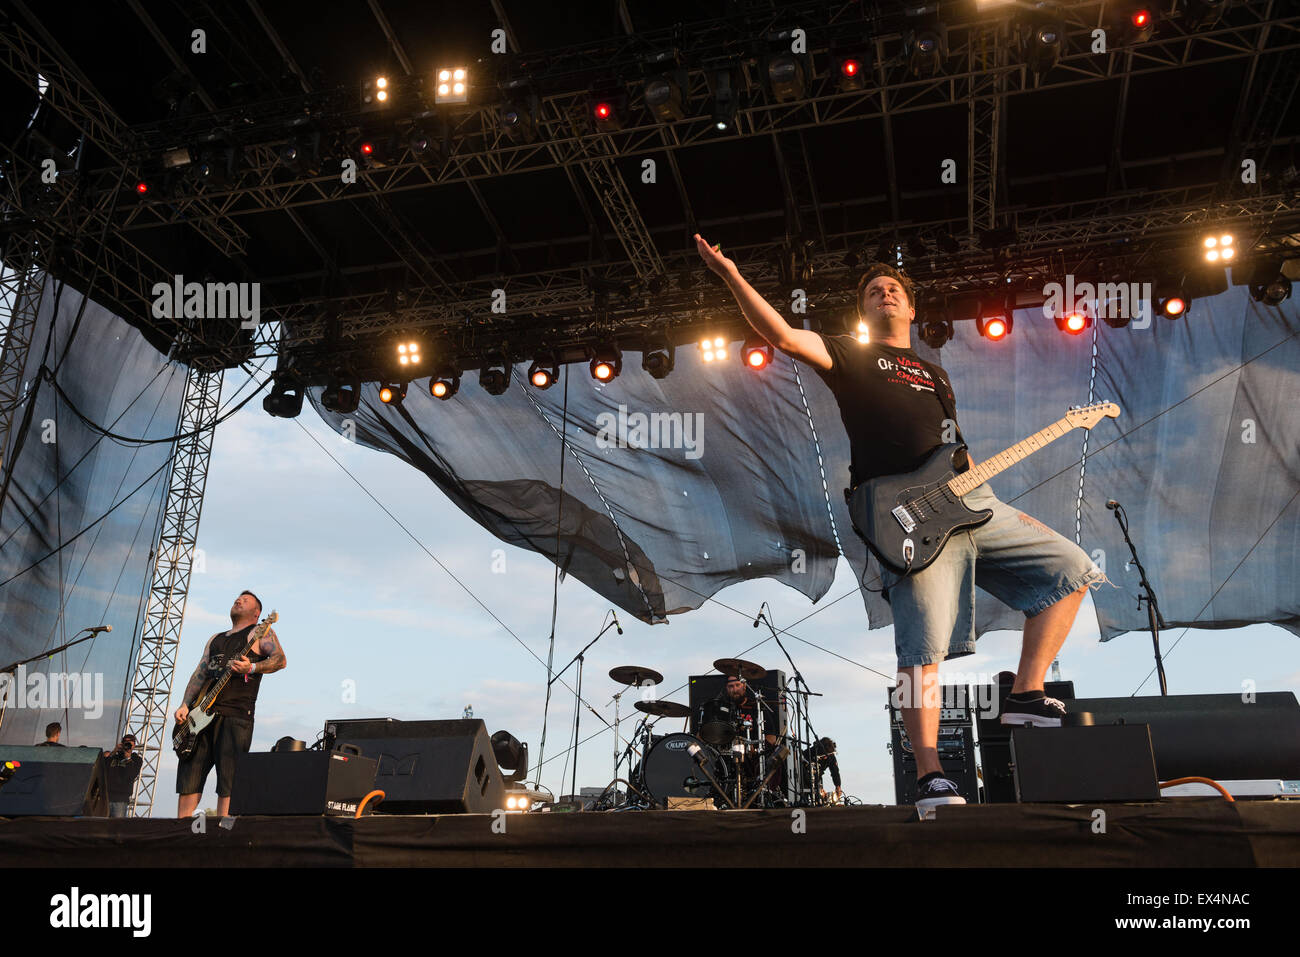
(1155,620)
(13,667)
(577,704)
(801,711)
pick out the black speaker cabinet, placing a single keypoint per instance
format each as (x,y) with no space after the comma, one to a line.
(995,738)
(60,782)
(1084,764)
(428,767)
(301,782)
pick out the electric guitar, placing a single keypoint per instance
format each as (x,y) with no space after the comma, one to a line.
(906,520)
(186,733)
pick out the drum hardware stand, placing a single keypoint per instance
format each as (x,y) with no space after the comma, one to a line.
(803,722)
(695,752)
(577,704)
(1155,620)
(782,753)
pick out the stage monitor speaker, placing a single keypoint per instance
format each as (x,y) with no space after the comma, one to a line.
(428,767)
(59,782)
(1085,764)
(995,737)
(301,782)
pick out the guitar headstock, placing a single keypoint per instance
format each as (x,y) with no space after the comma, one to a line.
(1086,416)
(271,619)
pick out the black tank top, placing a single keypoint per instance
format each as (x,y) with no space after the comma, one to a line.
(239,697)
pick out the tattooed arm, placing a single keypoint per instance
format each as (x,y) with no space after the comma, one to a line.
(275,658)
(196,682)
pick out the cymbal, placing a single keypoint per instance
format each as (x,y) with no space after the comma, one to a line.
(665,709)
(635,675)
(739,666)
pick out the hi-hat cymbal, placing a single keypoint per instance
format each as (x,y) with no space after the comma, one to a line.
(665,709)
(739,666)
(635,675)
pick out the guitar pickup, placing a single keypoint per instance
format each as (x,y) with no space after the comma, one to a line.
(904,518)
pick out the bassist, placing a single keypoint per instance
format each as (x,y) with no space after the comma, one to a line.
(231,734)
(896,408)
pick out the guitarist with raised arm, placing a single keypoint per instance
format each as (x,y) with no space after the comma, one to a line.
(229,733)
(896,409)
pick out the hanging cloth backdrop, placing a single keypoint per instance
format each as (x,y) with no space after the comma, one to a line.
(676,488)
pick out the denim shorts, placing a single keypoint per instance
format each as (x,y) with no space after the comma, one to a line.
(220,744)
(1015,558)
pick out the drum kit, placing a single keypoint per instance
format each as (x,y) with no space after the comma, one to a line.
(724,758)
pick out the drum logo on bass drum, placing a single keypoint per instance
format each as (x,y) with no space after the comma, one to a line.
(679,745)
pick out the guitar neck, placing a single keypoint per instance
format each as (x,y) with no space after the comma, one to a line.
(977,475)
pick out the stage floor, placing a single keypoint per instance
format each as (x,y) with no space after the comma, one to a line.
(1198,832)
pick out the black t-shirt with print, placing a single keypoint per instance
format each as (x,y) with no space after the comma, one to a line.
(888,401)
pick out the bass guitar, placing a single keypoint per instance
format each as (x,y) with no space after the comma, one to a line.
(907,519)
(186,733)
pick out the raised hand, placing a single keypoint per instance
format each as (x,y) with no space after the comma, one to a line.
(713,257)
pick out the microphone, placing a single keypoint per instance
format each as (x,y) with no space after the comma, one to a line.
(1112,505)
(616,624)
(99,628)
(759,616)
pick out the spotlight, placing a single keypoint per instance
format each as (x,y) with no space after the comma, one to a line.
(409,353)
(850,70)
(994,320)
(392,393)
(376,93)
(606,363)
(724,101)
(1043,37)
(1172,299)
(285,400)
(543,376)
(1136,22)
(658,359)
(1218,248)
(141,187)
(757,353)
(444,386)
(340,395)
(926,47)
(663,97)
(1074,322)
(786,76)
(452,85)
(713,349)
(936,332)
(419,142)
(518,118)
(1273,292)
(494,379)
(608,111)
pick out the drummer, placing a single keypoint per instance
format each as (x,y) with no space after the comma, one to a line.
(744,711)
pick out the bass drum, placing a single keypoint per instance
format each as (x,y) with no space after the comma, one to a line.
(670,766)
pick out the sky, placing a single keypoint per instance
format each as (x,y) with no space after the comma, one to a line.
(373,626)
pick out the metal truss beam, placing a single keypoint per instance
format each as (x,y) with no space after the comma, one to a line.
(149,708)
(22,285)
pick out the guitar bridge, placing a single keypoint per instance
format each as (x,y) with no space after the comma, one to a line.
(904,518)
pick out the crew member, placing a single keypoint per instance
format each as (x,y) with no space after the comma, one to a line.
(821,758)
(231,733)
(53,731)
(124,765)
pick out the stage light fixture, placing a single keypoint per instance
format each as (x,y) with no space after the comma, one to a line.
(1272,293)
(994,320)
(850,70)
(494,378)
(285,400)
(341,394)
(925,46)
(757,353)
(1042,40)
(518,117)
(713,349)
(444,387)
(141,188)
(1137,21)
(936,332)
(452,85)
(663,98)
(409,352)
(723,104)
(542,375)
(376,93)
(1199,14)
(658,359)
(785,77)
(1218,247)
(607,109)
(606,363)
(1074,322)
